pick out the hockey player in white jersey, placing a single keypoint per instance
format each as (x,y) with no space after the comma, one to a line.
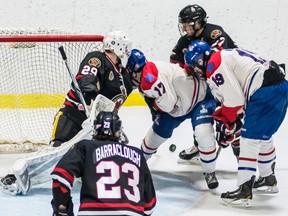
(177,97)
(243,82)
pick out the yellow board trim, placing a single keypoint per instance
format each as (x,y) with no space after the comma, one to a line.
(135,99)
(12,101)
(55,124)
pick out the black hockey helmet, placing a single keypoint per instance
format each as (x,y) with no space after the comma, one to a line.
(191,13)
(107,126)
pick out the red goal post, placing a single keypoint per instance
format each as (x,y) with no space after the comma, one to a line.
(34,82)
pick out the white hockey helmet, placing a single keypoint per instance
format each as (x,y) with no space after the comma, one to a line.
(119,43)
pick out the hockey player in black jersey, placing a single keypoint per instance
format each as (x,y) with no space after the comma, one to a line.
(100,72)
(115,177)
(192,26)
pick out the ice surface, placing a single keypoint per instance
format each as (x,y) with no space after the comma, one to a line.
(181,189)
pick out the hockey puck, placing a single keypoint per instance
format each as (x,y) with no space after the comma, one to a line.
(172,147)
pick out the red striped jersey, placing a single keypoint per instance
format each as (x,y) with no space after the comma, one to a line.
(115,179)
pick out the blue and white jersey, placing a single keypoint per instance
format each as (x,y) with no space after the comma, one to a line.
(234,76)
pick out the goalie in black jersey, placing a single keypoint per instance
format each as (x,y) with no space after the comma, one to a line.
(115,177)
(100,72)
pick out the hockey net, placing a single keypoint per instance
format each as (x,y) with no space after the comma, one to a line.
(34,82)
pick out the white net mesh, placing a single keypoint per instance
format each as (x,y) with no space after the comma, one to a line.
(34,82)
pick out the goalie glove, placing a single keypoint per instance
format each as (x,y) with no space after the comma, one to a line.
(8,185)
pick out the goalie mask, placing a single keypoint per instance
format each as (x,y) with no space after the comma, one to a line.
(107,126)
(119,43)
(135,64)
(197,57)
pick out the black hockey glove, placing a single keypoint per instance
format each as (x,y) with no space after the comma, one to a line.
(226,135)
(88,84)
(62,212)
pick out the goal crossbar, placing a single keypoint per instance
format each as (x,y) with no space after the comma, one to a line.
(51,38)
(34,82)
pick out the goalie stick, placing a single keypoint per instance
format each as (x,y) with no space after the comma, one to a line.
(35,168)
(49,156)
(77,89)
(75,85)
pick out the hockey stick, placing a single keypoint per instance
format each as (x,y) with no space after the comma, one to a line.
(107,102)
(74,81)
(39,164)
(101,103)
(218,151)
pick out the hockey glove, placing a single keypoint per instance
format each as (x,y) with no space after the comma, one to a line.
(89,83)
(220,135)
(66,211)
(227,134)
(236,147)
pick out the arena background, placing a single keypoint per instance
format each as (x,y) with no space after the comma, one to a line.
(259,26)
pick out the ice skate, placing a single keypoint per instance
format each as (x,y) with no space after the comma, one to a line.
(211,180)
(242,197)
(267,184)
(190,155)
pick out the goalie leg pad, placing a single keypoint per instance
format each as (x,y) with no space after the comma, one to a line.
(20,171)
(18,182)
(65,128)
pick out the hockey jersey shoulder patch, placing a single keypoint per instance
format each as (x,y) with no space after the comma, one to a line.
(94,62)
(149,76)
(215,33)
(213,64)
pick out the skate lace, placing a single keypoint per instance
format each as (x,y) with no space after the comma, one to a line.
(210,178)
(259,182)
(191,150)
(265,181)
